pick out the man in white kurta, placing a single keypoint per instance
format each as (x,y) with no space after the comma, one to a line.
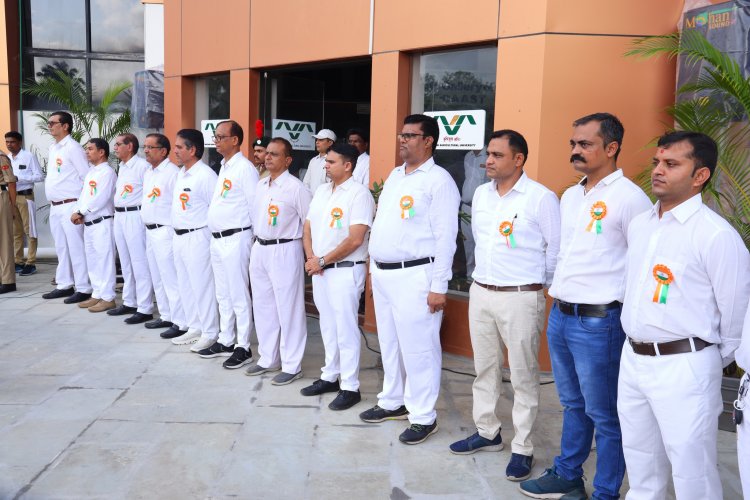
(475,174)
(316,171)
(742,404)
(412,245)
(360,140)
(335,244)
(688,284)
(276,267)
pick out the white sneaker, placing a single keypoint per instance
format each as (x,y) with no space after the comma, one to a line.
(203,343)
(190,337)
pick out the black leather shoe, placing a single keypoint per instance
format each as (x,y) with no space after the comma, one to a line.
(59,293)
(138,318)
(121,310)
(345,400)
(158,323)
(173,332)
(320,387)
(77,297)
(9,287)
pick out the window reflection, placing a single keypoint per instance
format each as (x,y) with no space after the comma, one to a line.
(53,27)
(105,73)
(116,26)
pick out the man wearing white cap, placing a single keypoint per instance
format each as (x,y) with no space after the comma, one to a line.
(316,169)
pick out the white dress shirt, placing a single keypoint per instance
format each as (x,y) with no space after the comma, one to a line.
(533,214)
(291,201)
(333,211)
(591,265)
(234,195)
(66,168)
(316,173)
(707,282)
(475,174)
(158,186)
(193,190)
(129,190)
(742,355)
(95,199)
(27,169)
(361,172)
(430,231)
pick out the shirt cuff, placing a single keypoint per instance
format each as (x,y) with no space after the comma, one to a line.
(439,286)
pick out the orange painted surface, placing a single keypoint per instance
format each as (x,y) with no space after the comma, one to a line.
(172,38)
(179,106)
(215,36)
(243,103)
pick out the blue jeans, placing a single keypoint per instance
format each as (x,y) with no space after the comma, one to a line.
(585,354)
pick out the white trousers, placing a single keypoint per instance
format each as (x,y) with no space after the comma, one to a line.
(130,238)
(100,259)
(669,408)
(336,293)
(230,260)
(743,442)
(192,261)
(409,336)
(71,258)
(164,275)
(277,278)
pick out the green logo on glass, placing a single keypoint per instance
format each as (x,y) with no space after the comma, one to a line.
(452,127)
(296,130)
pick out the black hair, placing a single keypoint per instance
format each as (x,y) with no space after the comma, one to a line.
(429,127)
(610,128)
(129,138)
(193,139)
(100,144)
(162,141)
(235,130)
(14,135)
(516,142)
(65,119)
(348,152)
(288,149)
(358,131)
(705,151)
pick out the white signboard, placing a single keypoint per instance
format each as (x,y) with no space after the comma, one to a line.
(300,134)
(463,129)
(208,127)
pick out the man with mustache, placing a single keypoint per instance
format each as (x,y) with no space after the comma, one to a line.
(584,333)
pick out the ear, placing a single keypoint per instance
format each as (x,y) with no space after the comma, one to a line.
(519,159)
(288,161)
(611,149)
(700,177)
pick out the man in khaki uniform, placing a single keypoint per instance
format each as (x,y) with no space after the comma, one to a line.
(7,202)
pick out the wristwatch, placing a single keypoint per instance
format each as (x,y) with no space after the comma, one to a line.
(322,262)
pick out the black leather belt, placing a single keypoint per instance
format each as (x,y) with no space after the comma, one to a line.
(518,288)
(274,242)
(69,200)
(180,232)
(343,263)
(97,221)
(405,264)
(127,209)
(664,348)
(153,226)
(229,232)
(590,310)
(25,192)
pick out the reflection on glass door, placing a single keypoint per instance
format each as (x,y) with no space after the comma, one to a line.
(211,103)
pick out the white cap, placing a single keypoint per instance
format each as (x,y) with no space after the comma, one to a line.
(325,134)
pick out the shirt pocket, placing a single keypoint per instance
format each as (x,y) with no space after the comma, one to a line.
(663,292)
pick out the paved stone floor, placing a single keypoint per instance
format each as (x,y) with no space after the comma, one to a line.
(93,408)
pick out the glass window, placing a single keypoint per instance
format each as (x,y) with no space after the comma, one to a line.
(46,67)
(116,26)
(454,81)
(55,27)
(105,73)
(212,103)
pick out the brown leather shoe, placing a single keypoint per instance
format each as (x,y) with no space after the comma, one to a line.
(103,305)
(88,303)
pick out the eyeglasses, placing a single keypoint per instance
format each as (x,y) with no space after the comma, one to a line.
(51,123)
(118,144)
(407,136)
(219,138)
(149,148)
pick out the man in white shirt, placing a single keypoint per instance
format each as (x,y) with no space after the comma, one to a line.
(66,168)
(156,214)
(742,408)
(360,140)
(95,210)
(130,234)
(687,290)
(26,167)
(232,234)
(316,169)
(193,190)
(516,225)
(412,245)
(276,272)
(474,176)
(584,333)
(335,241)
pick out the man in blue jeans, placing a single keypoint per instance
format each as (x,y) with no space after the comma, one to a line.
(584,331)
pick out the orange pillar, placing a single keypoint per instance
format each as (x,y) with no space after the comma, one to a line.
(243,103)
(179,105)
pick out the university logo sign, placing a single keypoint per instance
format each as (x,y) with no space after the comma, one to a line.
(452,127)
(713,19)
(298,133)
(208,128)
(463,129)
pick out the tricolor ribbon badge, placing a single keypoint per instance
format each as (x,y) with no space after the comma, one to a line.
(154,194)
(336,215)
(598,212)
(506,229)
(59,164)
(126,190)
(273,213)
(664,277)
(184,198)
(226,186)
(92,186)
(407,207)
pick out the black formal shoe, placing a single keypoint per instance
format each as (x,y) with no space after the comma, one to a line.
(28,270)
(138,318)
(77,297)
(9,287)
(345,400)
(158,323)
(59,293)
(121,310)
(319,387)
(173,332)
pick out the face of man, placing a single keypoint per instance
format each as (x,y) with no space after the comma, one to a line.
(94,155)
(123,151)
(413,146)
(359,143)
(322,145)
(337,168)
(13,145)
(502,162)
(182,153)
(56,129)
(259,154)
(674,178)
(276,159)
(154,153)
(226,144)
(588,153)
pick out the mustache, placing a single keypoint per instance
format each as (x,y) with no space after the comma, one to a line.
(577,157)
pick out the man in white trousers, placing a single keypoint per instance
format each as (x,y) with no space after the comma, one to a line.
(156,214)
(276,267)
(130,234)
(335,242)
(316,171)
(192,195)
(742,409)
(475,174)
(516,226)
(687,290)
(412,245)
(231,236)
(95,210)
(66,168)
(360,140)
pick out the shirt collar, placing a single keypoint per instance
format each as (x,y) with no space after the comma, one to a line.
(196,166)
(519,186)
(233,160)
(99,165)
(424,167)
(607,180)
(15,157)
(279,181)
(346,185)
(131,162)
(684,210)
(64,141)
(161,165)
